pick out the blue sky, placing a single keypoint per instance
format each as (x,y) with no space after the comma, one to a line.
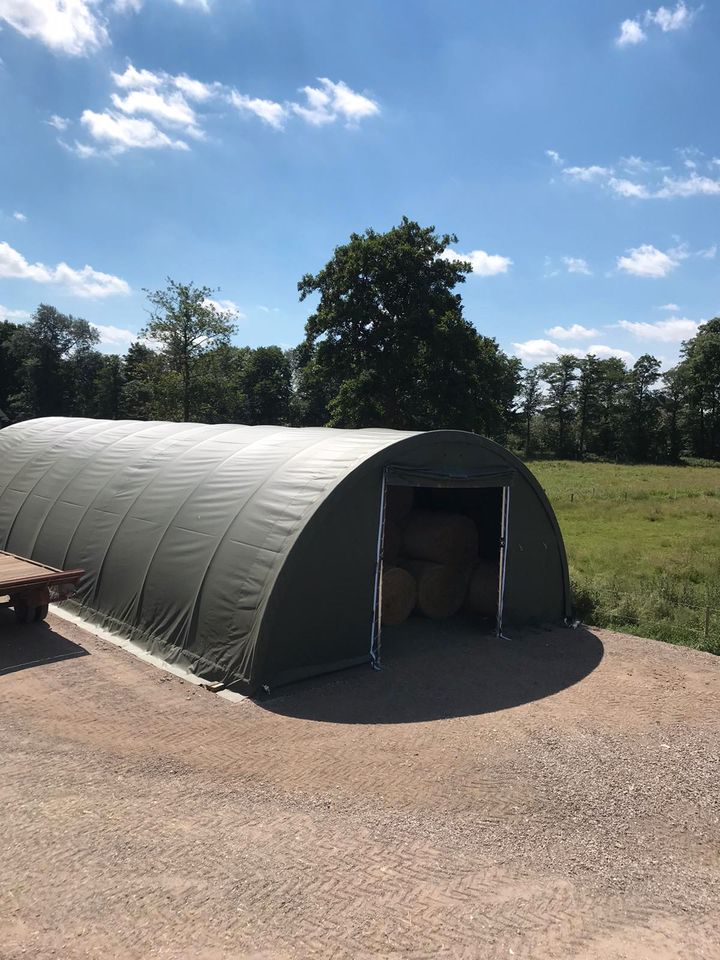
(573,148)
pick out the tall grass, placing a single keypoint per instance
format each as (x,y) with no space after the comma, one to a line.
(643,544)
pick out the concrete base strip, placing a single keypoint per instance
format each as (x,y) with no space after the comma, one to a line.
(141,654)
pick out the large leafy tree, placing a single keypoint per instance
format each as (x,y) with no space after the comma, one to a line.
(186,323)
(608,435)
(9,370)
(530,398)
(589,381)
(642,407)
(700,372)
(388,345)
(54,359)
(560,377)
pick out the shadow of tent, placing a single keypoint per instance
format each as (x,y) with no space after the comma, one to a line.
(433,671)
(32,644)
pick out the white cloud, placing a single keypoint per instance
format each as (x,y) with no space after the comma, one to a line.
(535,351)
(659,184)
(74,27)
(332,101)
(196,89)
(85,282)
(631,33)
(647,261)
(60,123)
(120,133)
(555,157)
(134,79)
(636,164)
(672,330)
(20,217)
(153,107)
(134,6)
(576,331)
(112,338)
(587,174)
(577,265)
(6,313)
(709,253)
(692,186)
(226,306)
(669,306)
(540,351)
(668,20)
(482,263)
(269,111)
(628,188)
(604,352)
(172,109)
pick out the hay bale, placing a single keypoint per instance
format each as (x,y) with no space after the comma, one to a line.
(399,595)
(392,541)
(482,593)
(398,502)
(447,538)
(441,588)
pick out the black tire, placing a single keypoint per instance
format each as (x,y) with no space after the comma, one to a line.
(23,611)
(41,612)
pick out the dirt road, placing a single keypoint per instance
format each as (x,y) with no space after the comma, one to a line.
(551,797)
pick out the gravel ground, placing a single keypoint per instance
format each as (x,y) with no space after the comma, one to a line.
(554,796)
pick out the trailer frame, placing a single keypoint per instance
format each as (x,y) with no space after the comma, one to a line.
(28,586)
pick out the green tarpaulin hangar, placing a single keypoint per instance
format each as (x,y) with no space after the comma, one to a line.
(251,555)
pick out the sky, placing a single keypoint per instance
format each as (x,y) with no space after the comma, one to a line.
(572,148)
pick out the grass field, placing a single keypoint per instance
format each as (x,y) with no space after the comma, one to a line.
(643,544)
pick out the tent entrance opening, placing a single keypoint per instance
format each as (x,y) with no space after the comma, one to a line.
(442,555)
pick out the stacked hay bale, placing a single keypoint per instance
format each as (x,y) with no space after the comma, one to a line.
(439,549)
(432,563)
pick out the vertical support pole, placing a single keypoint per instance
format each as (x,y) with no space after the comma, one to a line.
(503,556)
(375,636)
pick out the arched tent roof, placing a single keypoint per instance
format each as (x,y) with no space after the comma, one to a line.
(246,554)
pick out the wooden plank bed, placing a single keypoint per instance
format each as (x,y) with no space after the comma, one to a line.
(29,586)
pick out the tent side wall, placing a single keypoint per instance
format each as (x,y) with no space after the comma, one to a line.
(319,614)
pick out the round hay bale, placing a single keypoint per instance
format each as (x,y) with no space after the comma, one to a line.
(399,595)
(448,538)
(482,594)
(441,587)
(392,542)
(398,502)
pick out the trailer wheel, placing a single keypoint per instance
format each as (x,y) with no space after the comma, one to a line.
(41,612)
(23,611)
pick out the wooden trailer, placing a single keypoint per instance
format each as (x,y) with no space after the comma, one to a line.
(28,587)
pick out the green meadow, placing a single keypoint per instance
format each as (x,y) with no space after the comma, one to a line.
(643,545)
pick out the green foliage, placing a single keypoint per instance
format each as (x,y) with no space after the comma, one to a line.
(186,324)
(699,372)
(54,364)
(642,546)
(388,344)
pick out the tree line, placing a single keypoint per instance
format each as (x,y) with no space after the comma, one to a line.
(387,344)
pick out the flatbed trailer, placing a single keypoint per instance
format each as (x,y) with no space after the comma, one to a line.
(28,586)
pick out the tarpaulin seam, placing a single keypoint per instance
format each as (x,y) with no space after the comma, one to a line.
(122,517)
(221,539)
(198,485)
(88,461)
(55,442)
